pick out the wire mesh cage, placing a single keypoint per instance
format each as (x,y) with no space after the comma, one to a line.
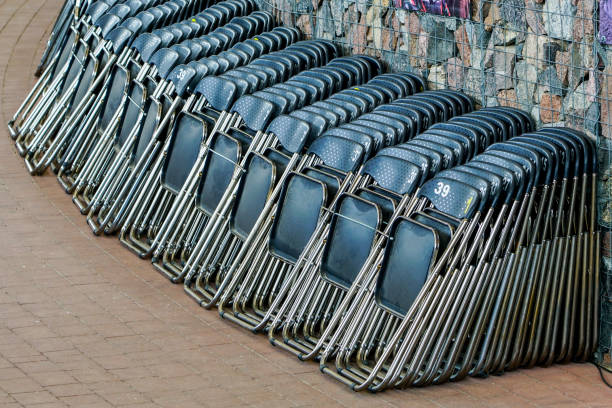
(547,57)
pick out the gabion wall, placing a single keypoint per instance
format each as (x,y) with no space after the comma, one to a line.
(543,56)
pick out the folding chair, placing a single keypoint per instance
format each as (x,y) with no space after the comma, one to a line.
(194,103)
(248,280)
(83,61)
(235,220)
(56,66)
(126,129)
(216,114)
(483,294)
(299,305)
(91,100)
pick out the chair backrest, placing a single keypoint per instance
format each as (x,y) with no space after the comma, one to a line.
(350,240)
(407,261)
(296,216)
(153,110)
(395,174)
(183,150)
(134,105)
(217,172)
(252,194)
(118,87)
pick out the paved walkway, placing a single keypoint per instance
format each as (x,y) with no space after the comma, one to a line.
(85,323)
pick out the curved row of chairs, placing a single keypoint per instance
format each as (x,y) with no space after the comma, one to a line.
(397,235)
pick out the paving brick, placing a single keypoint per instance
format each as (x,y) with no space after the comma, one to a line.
(31,398)
(17,385)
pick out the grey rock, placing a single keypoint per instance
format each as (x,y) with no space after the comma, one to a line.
(325,25)
(362,5)
(401,15)
(430,23)
(591,118)
(337,12)
(559,18)
(455,73)
(483,57)
(500,76)
(526,79)
(477,35)
(535,114)
(473,84)
(513,11)
(519,50)
(436,79)
(550,52)
(303,6)
(502,35)
(440,44)
(533,50)
(549,79)
(399,62)
(492,101)
(577,100)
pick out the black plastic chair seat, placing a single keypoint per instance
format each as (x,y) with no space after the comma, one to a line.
(360,105)
(256,112)
(317,123)
(281,103)
(480,183)
(183,151)
(377,136)
(386,203)
(135,103)
(301,94)
(407,262)
(343,114)
(452,197)
(297,215)
(360,137)
(291,97)
(221,162)
(290,131)
(312,92)
(421,160)
(333,119)
(350,240)
(458,148)
(153,114)
(252,193)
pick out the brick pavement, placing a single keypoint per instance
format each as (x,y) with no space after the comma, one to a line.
(85,323)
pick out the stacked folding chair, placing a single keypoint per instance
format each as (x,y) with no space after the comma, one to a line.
(83,66)
(491,267)
(110,206)
(153,93)
(55,67)
(149,90)
(287,234)
(401,170)
(263,173)
(254,111)
(395,235)
(61,30)
(425,109)
(174,175)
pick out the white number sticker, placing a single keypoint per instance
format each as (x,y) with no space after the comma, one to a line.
(442,189)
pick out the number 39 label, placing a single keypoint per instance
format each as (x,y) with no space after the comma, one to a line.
(442,189)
